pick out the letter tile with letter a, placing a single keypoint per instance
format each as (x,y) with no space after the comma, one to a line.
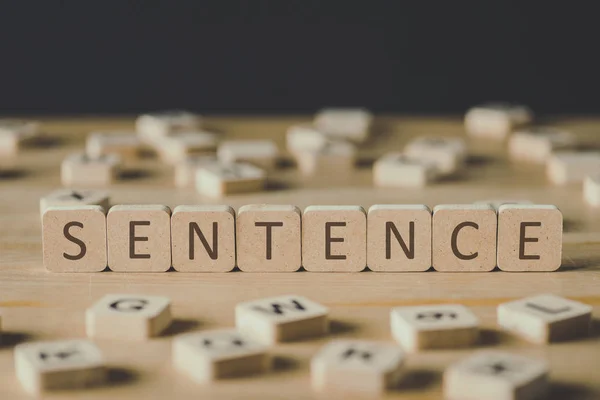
(434,327)
(334,239)
(493,375)
(545,318)
(356,366)
(268,238)
(203,238)
(529,237)
(282,319)
(128,316)
(464,237)
(211,355)
(74,239)
(64,364)
(139,238)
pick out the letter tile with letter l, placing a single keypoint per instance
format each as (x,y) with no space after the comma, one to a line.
(203,238)
(494,375)
(434,327)
(529,237)
(545,318)
(464,237)
(269,238)
(74,239)
(64,364)
(139,238)
(334,239)
(211,355)
(282,319)
(75,197)
(352,366)
(128,316)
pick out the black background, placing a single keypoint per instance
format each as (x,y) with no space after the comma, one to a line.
(296,56)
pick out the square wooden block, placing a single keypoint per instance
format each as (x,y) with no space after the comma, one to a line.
(80,170)
(464,237)
(591,189)
(305,137)
(545,318)
(335,159)
(128,316)
(434,327)
(448,154)
(139,238)
(396,169)
(261,153)
(345,123)
(494,375)
(203,238)
(282,319)
(218,180)
(125,144)
(356,366)
(178,147)
(496,120)
(571,167)
(185,171)
(156,125)
(334,239)
(399,238)
(269,238)
(75,197)
(536,144)
(74,239)
(64,364)
(529,237)
(226,353)
(14,133)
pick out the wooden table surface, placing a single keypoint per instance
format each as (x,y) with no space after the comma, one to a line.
(38,305)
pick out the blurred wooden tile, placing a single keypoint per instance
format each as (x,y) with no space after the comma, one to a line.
(13,133)
(261,153)
(447,154)
(153,126)
(591,189)
(571,167)
(305,137)
(125,144)
(335,159)
(80,170)
(75,197)
(185,171)
(536,144)
(398,170)
(345,123)
(496,120)
(178,147)
(218,180)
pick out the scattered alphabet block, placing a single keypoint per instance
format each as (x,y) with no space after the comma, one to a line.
(154,126)
(350,124)
(545,318)
(75,197)
(464,237)
(211,355)
(434,327)
(128,316)
(399,238)
(125,144)
(398,170)
(282,319)
(139,238)
(178,147)
(571,167)
(335,158)
(80,170)
(218,180)
(261,153)
(203,238)
(13,133)
(334,238)
(496,375)
(305,138)
(537,144)
(529,237)
(74,239)
(447,154)
(269,238)
(591,189)
(497,120)
(185,171)
(65,364)
(356,366)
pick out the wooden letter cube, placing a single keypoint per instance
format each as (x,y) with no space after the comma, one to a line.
(156,125)
(217,180)
(178,147)
(126,144)
(79,169)
(128,316)
(448,154)
(13,133)
(537,144)
(496,121)
(571,167)
(350,124)
(334,160)
(304,138)
(185,171)
(398,170)
(261,153)
(75,197)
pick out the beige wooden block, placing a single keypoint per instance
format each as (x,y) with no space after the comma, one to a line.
(395,169)
(464,237)
(447,154)
(537,144)
(154,126)
(282,319)
(334,159)
(139,238)
(399,237)
(74,239)
(178,147)
(496,120)
(305,137)
(79,169)
(442,326)
(203,238)
(185,171)
(496,203)
(494,375)
(125,144)
(218,180)
(345,123)
(334,239)
(591,189)
(529,237)
(128,316)
(571,167)
(59,365)
(545,318)
(14,133)
(75,197)
(356,366)
(261,153)
(225,353)
(269,238)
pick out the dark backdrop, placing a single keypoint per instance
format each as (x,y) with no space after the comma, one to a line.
(296,56)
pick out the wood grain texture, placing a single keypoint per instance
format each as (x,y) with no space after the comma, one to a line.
(39,305)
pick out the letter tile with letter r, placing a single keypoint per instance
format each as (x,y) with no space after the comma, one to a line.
(356,366)
(225,353)
(545,318)
(282,319)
